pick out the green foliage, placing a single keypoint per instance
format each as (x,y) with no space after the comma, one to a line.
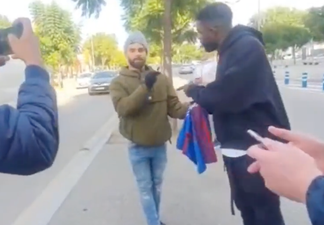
(90,7)
(314,20)
(106,52)
(282,28)
(4,22)
(59,36)
(147,16)
(186,53)
(155,54)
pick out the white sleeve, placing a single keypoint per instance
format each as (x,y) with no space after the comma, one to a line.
(197,72)
(209,74)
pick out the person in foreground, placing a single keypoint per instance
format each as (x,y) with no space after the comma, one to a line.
(293,170)
(143,99)
(244,96)
(29,134)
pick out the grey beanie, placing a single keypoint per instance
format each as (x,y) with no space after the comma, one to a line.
(136,37)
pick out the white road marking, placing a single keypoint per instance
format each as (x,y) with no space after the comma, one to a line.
(41,211)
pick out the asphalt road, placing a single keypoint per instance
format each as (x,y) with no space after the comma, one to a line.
(107,194)
(11,76)
(79,120)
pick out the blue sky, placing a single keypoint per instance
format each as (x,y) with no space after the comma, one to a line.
(110,18)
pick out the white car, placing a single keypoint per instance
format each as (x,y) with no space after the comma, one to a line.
(83,80)
(186,69)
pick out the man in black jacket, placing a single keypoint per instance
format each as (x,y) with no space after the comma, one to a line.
(243,96)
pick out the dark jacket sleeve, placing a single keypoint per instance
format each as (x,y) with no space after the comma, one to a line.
(29,135)
(315,201)
(241,83)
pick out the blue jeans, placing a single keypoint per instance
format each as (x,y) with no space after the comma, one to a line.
(148,165)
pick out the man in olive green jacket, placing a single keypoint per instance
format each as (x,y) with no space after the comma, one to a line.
(144,99)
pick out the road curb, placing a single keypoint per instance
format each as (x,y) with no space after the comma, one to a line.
(44,207)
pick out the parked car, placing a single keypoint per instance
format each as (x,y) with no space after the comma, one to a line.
(187,69)
(100,82)
(83,80)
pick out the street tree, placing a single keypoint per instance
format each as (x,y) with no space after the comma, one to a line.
(103,46)
(314,20)
(283,28)
(186,53)
(90,7)
(59,36)
(278,15)
(119,60)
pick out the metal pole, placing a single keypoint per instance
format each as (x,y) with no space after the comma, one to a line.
(92,54)
(259,14)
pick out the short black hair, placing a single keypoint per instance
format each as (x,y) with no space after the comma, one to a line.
(216,14)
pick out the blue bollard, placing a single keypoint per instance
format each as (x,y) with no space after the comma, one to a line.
(304,80)
(323,83)
(286,77)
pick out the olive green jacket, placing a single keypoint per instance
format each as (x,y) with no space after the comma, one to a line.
(144,114)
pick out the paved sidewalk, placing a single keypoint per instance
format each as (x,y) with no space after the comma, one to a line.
(107,194)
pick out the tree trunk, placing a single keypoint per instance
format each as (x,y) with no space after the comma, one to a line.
(167,45)
(294,54)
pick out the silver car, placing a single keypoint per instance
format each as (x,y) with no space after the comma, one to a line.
(187,69)
(100,82)
(83,80)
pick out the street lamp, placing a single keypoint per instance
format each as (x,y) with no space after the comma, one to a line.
(259,15)
(89,37)
(92,53)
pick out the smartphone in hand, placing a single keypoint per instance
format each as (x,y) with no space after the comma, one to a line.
(257,137)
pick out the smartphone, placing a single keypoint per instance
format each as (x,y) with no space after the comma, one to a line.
(16,30)
(257,137)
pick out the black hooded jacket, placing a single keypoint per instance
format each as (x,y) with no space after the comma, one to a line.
(245,94)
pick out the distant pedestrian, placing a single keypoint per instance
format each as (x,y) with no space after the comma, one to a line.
(143,99)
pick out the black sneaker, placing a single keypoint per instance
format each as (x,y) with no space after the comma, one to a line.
(162,223)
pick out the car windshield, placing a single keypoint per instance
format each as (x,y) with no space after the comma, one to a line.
(84,75)
(104,74)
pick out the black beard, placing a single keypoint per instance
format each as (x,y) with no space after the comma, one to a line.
(210,47)
(136,64)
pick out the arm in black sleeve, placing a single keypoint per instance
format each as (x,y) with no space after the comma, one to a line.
(315,201)
(241,84)
(29,135)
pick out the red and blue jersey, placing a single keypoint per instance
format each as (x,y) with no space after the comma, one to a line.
(195,138)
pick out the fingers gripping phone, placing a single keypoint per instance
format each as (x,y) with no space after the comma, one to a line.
(17,30)
(257,137)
